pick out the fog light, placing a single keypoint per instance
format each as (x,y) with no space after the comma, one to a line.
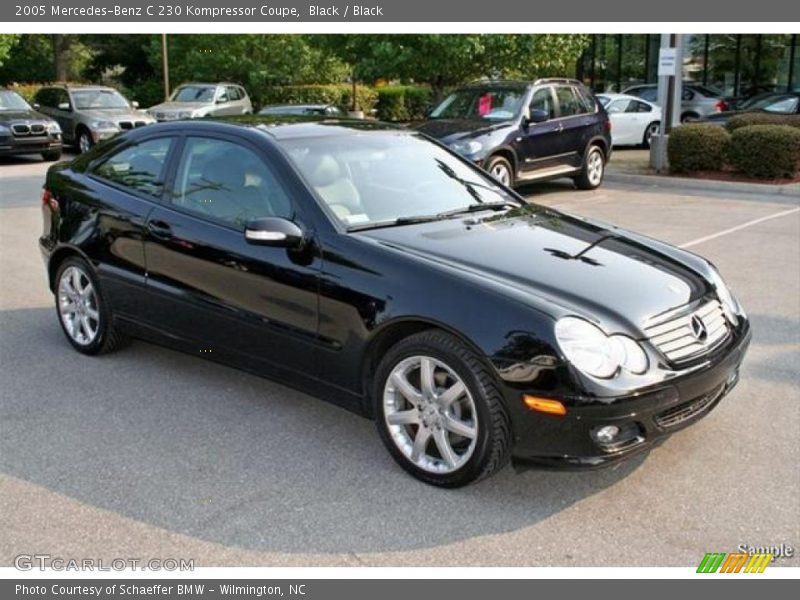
(606,434)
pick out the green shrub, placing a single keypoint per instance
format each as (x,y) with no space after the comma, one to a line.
(761,118)
(765,151)
(27,90)
(403,102)
(697,147)
(337,94)
(147,93)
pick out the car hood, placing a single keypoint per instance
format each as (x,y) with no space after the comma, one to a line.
(585,267)
(113,114)
(178,106)
(450,130)
(9,116)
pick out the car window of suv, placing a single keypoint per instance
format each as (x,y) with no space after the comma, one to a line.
(139,167)
(543,100)
(44,97)
(60,97)
(650,94)
(587,99)
(228,182)
(568,102)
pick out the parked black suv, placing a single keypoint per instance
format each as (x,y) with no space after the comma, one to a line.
(522,131)
(25,131)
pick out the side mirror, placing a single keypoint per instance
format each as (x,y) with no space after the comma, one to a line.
(135,104)
(36,106)
(274,231)
(64,106)
(222,100)
(539,116)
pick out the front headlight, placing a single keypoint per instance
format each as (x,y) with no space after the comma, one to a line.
(53,127)
(467,148)
(730,306)
(5,130)
(104,125)
(590,350)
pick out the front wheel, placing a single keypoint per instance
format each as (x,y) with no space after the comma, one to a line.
(499,168)
(83,312)
(594,167)
(439,411)
(51,155)
(85,141)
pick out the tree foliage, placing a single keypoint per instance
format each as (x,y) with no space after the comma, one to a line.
(7,42)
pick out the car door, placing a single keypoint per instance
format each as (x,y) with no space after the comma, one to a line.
(537,144)
(49,100)
(121,189)
(623,122)
(216,289)
(575,123)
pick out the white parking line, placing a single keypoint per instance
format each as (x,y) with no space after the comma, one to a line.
(738,227)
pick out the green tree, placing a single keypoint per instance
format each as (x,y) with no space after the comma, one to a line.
(444,60)
(7,42)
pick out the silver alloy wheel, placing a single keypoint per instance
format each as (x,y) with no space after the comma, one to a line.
(84,143)
(652,129)
(430,414)
(77,306)
(500,172)
(594,167)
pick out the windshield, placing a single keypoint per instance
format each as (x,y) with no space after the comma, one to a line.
(92,99)
(476,103)
(378,177)
(777,103)
(194,93)
(12,101)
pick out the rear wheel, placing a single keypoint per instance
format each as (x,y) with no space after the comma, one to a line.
(651,130)
(594,167)
(499,168)
(689,117)
(439,411)
(83,312)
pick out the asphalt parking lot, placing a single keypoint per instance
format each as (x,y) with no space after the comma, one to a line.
(151,453)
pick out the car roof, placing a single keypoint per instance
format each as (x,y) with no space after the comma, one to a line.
(276,127)
(211,83)
(618,96)
(77,86)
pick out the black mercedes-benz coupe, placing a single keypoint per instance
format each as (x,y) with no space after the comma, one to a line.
(380,270)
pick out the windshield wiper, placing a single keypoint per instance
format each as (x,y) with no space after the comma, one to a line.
(399,221)
(477,208)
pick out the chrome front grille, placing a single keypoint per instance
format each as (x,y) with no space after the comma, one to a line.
(21,129)
(690,334)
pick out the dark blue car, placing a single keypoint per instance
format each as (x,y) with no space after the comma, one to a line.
(524,131)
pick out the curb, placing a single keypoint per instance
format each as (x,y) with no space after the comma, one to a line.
(686,183)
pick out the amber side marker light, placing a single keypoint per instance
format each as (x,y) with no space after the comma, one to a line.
(545,405)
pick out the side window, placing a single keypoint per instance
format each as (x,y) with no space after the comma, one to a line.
(619,106)
(222,94)
(61,97)
(227,182)
(687,94)
(587,100)
(649,94)
(233,93)
(44,97)
(642,107)
(139,167)
(568,101)
(543,100)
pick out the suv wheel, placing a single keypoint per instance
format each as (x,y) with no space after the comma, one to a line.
(499,168)
(51,155)
(85,141)
(594,167)
(439,411)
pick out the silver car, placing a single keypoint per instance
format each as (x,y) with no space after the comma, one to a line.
(697,101)
(196,100)
(89,113)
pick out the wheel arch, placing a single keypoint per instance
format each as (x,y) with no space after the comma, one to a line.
(601,143)
(390,333)
(508,154)
(58,256)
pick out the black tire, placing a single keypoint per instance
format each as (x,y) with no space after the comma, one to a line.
(51,155)
(108,337)
(492,449)
(501,164)
(83,140)
(689,117)
(648,133)
(588,179)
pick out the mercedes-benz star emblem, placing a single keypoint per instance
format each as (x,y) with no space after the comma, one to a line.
(699,328)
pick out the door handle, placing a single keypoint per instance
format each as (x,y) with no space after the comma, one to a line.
(159,229)
(560,127)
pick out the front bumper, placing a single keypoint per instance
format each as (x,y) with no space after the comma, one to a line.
(645,418)
(17,146)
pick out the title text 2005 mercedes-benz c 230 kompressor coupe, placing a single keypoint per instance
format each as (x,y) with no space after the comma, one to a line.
(379,270)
